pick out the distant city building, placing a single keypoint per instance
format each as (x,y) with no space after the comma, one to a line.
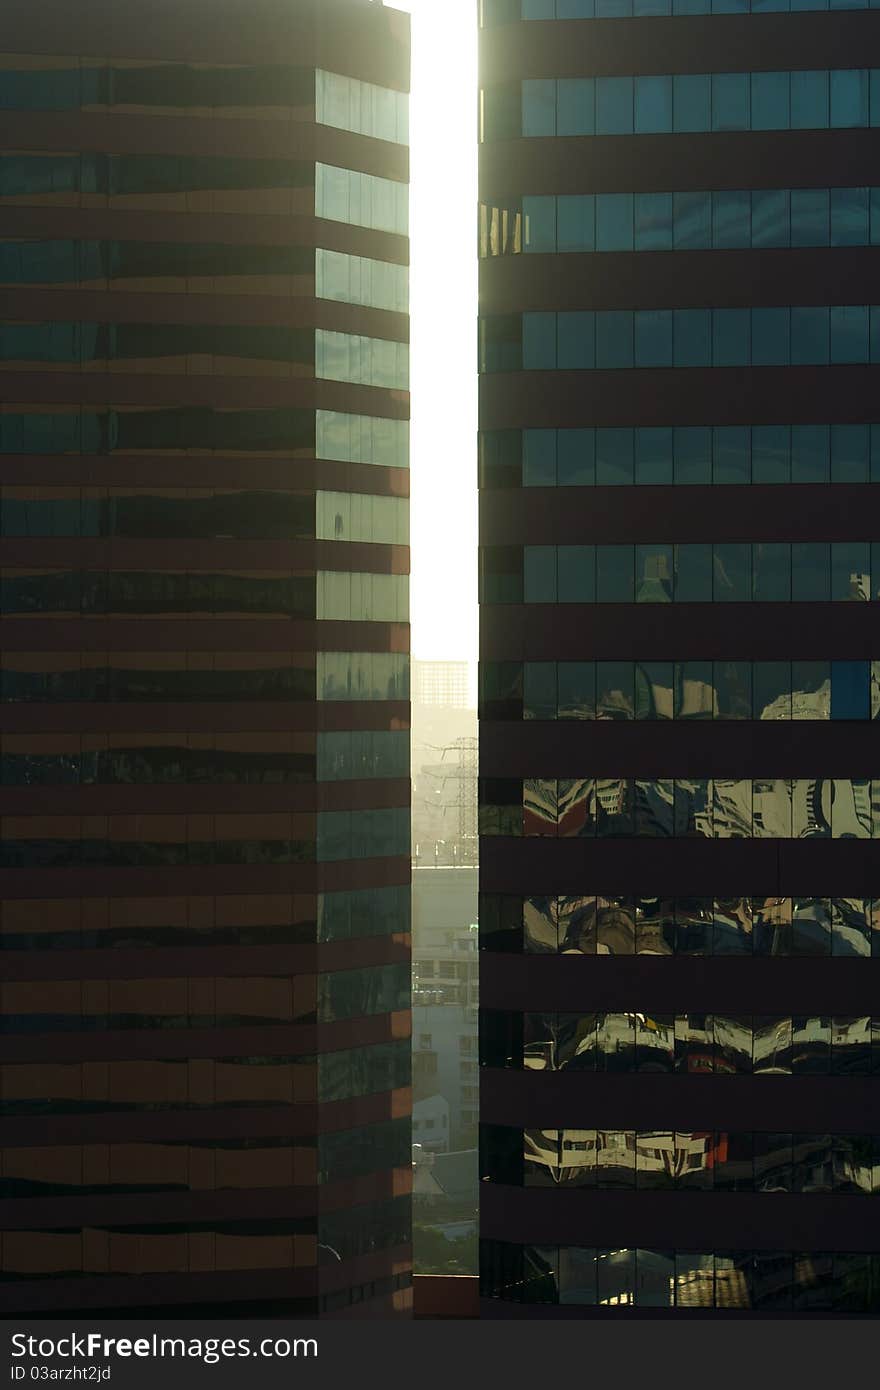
(445,995)
(444,683)
(205,784)
(430,1124)
(680,674)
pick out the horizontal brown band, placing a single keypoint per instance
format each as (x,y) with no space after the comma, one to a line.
(225,393)
(696,43)
(681,631)
(685,867)
(806,1104)
(114,132)
(191,553)
(679,1220)
(176,799)
(213,879)
(680,514)
(171,1126)
(158,962)
(715,279)
(728,749)
(208,717)
(740,985)
(679,396)
(295,1040)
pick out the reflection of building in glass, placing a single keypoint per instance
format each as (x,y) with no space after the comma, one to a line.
(205,875)
(680,676)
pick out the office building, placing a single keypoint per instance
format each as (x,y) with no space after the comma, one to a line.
(445,983)
(205,756)
(680,530)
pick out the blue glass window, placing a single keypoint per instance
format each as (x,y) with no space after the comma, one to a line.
(693,455)
(810,221)
(614,222)
(614,456)
(770,101)
(614,338)
(874,346)
(538,341)
(731,337)
(653,221)
(732,573)
(770,337)
(539,220)
(539,106)
(692,221)
(691,102)
(577,340)
(614,573)
(539,574)
(655,568)
(576,222)
(576,102)
(849,217)
(850,685)
(730,101)
(614,106)
(653,105)
(849,333)
(771,454)
(771,577)
(692,337)
(577,574)
(653,452)
(731,219)
(850,570)
(809,336)
(653,337)
(539,458)
(731,453)
(849,98)
(849,453)
(693,573)
(809,453)
(810,572)
(809,100)
(771,218)
(576,460)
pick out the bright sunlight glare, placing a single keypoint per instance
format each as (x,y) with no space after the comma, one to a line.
(443,307)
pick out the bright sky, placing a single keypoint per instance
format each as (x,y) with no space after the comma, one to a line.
(443,306)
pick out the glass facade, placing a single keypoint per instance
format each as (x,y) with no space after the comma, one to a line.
(361,107)
(611,339)
(656,690)
(685,1160)
(819,99)
(665,807)
(733,572)
(362,200)
(494,12)
(204,514)
(682,1043)
(664,455)
(611,924)
(759,1280)
(721,220)
(756,185)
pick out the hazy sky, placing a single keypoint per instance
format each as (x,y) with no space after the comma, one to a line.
(443,222)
